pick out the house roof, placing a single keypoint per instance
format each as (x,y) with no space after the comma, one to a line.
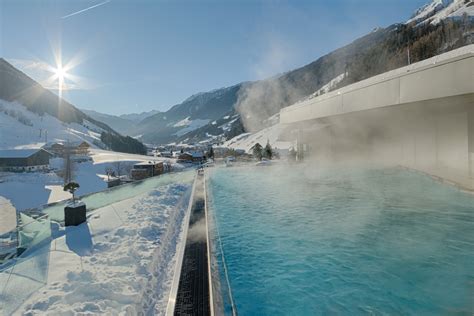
(19,153)
(195,154)
(146,163)
(64,143)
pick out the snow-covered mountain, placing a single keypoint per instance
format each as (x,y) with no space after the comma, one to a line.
(21,128)
(439,10)
(189,116)
(31,115)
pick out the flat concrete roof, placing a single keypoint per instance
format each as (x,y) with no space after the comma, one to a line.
(446,75)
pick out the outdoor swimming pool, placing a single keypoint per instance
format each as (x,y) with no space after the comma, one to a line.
(342,241)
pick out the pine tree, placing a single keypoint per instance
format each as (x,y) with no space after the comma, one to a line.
(257,151)
(211,153)
(268,152)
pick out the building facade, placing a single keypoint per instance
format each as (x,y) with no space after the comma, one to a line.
(24,159)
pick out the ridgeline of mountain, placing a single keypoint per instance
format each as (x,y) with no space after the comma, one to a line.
(15,86)
(439,10)
(138,117)
(125,123)
(382,50)
(438,27)
(196,111)
(126,127)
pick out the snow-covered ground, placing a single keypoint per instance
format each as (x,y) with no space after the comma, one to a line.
(7,216)
(27,190)
(120,262)
(57,193)
(100,156)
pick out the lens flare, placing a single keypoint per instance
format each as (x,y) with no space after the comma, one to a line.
(60,73)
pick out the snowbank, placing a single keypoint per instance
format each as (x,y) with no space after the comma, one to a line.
(120,262)
(7,216)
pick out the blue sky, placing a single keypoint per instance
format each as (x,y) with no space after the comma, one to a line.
(135,56)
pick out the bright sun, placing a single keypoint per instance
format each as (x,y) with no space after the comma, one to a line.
(60,72)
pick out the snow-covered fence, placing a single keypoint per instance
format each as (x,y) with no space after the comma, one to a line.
(164,257)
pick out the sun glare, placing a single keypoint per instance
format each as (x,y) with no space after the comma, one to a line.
(60,72)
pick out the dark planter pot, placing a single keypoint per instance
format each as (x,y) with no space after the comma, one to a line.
(75,214)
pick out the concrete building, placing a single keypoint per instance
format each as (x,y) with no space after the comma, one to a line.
(420,116)
(24,159)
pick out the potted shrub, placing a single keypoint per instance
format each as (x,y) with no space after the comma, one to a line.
(75,211)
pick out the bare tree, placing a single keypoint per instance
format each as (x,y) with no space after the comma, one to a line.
(109,172)
(119,168)
(69,168)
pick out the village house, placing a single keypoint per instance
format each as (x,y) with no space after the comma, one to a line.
(75,148)
(193,156)
(24,159)
(147,169)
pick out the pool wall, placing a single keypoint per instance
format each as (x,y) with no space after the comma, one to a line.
(197,283)
(179,257)
(223,299)
(420,116)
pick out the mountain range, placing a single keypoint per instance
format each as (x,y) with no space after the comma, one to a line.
(220,114)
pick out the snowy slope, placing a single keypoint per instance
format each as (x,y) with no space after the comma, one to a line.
(189,125)
(21,128)
(247,140)
(328,86)
(439,10)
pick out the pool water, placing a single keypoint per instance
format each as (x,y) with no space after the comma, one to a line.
(344,241)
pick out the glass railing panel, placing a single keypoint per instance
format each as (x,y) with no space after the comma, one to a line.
(25,276)
(33,231)
(119,193)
